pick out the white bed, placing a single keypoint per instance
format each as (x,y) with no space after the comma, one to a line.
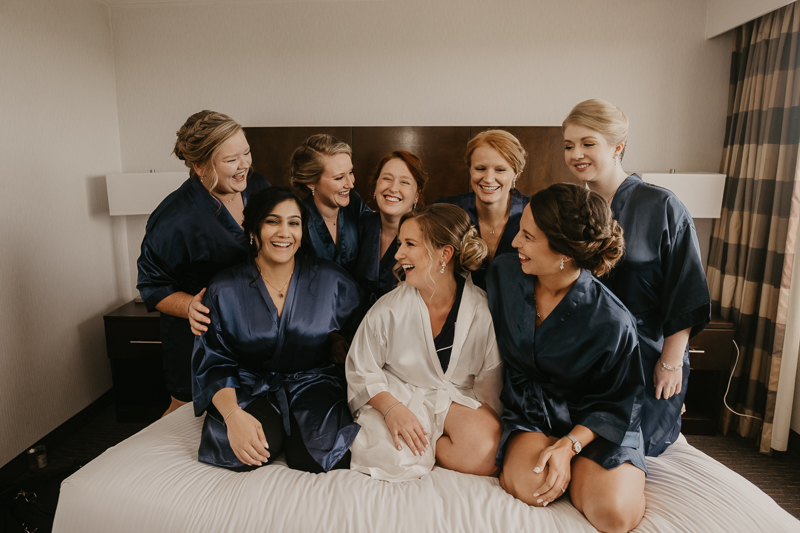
(152,482)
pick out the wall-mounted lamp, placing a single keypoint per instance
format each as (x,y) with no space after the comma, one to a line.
(700,192)
(140,193)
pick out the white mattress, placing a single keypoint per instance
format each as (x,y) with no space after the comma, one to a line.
(152,482)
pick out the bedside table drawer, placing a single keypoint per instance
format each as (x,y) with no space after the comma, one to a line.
(711,350)
(133,339)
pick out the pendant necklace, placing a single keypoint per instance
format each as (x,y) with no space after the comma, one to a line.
(226,201)
(535,308)
(281,292)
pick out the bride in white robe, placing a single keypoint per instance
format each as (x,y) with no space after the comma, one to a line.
(416,407)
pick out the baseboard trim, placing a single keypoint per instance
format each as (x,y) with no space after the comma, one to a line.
(19,464)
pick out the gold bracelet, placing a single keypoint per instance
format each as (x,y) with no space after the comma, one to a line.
(229,414)
(390,408)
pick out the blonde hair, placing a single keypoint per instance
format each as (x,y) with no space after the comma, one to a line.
(199,141)
(603,117)
(506,145)
(443,224)
(308,161)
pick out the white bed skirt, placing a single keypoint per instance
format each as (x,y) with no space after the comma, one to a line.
(152,482)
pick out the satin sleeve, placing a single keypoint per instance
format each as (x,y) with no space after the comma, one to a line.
(489,381)
(214,366)
(364,364)
(685,300)
(608,400)
(161,261)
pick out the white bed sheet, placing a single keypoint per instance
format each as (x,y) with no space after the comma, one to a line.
(152,482)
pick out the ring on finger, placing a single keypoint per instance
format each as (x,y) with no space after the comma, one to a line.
(563,490)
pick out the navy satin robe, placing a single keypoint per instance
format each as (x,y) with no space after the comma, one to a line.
(188,239)
(580,366)
(467,203)
(345,251)
(662,283)
(248,347)
(373,272)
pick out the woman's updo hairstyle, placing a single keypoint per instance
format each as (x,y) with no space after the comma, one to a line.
(259,207)
(578,223)
(443,224)
(603,117)
(414,164)
(199,140)
(506,145)
(308,161)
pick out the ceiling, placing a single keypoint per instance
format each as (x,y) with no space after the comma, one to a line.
(202,2)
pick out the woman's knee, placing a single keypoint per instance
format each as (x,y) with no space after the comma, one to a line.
(520,485)
(614,513)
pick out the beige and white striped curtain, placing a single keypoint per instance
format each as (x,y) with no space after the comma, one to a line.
(753,242)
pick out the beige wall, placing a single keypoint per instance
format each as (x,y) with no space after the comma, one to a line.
(724,15)
(59,135)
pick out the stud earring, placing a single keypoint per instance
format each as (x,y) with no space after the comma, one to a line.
(441,271)
(562,264)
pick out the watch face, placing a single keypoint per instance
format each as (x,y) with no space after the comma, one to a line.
(576,447)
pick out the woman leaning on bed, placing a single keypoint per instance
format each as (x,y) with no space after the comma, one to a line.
(661,278)
(262,371)
(573,375)
(423,372)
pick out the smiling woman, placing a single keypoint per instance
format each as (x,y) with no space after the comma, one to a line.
(193,234)
(263,374)
(398,181)
(323,166)
(495,159)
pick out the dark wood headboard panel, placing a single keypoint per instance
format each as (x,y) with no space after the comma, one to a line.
(440,147)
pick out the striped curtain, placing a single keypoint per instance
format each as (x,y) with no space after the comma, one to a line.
(753,242)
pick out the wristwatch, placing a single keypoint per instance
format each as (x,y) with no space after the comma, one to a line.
(576,444)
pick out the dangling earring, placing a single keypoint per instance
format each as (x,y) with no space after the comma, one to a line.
(312,192)
(615,158)
(514,183)
(441,271)
(562,264)
(252,240)
(415,203)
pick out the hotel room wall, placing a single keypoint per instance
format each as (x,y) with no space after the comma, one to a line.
(412,62)
(59,137)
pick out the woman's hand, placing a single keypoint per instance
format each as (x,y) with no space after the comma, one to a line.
(402,423)
(339,347)
(668,382)
(246,438)
(198,314)
(558,458)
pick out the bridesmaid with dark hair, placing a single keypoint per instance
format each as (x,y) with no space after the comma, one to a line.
(262,372)
(398,183)
(573,384)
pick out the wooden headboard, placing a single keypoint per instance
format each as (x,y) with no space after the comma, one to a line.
(441,149)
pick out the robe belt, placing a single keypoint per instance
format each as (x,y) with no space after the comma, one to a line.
(550,406)
(273,382)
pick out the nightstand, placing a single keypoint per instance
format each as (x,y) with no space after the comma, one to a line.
(711,358)
(133,341)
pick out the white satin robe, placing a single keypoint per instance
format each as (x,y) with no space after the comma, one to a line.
(393,351)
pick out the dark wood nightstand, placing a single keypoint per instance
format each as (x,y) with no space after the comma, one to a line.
(133,341)
(711,357)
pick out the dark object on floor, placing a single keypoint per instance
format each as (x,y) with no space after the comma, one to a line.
(29,504)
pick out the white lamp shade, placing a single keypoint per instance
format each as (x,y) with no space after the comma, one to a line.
(140,194)
(700,192)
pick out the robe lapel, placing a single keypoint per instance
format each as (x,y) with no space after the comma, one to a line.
(463,322)
(428,333)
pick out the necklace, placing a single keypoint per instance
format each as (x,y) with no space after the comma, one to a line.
(281,292)
(226,201)
(491,230)
(535,308)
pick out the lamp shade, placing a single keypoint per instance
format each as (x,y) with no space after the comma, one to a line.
(700,192)
(140,194)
